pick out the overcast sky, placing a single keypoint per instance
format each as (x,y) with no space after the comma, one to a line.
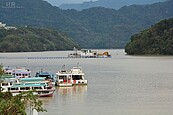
(59,2)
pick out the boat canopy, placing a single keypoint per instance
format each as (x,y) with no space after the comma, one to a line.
(27,85)
(32,79)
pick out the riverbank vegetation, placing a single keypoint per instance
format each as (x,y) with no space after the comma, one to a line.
(28,39)
(16,105)
(157,40)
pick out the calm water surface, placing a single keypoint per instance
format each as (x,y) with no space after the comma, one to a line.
(121,85)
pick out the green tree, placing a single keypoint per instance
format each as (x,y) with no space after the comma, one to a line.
(15,105)
(156,40)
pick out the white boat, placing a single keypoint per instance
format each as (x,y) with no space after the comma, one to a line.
(64,79)
(78,76)
(39,86)
(86,53)
(75,54)
(73,77)
(18,72)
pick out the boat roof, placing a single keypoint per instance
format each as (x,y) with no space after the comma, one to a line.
(63,74)
(32,79)
(87,50)
(27,85)
(6,76)
(43,73)
(7,79)
(16,69)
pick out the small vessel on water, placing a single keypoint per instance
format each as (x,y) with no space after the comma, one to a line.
(46,75)
(63,79)
(87,53)
(75,54)
(78,76)
(18,72)
(73,77)
(39,86)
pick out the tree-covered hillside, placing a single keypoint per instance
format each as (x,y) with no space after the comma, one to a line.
(91,28)
(28,39)
(157,40)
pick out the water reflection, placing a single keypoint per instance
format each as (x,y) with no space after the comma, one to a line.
(64,94)
(75,90)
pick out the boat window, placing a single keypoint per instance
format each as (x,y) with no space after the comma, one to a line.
(4,84)
(37,88)
(77,77)
(62,77)
(22,88)
(16,88)
(27,88)
(8,73)
(19,74)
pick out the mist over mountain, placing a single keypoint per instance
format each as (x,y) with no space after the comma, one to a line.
(115,4)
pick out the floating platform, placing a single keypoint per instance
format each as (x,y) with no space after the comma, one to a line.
(49,57)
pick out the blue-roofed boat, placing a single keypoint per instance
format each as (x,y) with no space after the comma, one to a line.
(47,76)
(39,86)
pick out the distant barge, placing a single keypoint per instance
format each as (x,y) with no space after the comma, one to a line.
(87,53)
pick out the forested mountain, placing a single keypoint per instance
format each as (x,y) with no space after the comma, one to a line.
(27,39)
(115,4)
(157,40)
(91,28)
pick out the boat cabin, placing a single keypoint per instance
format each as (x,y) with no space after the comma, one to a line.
(18,72)
(73,77)
(64,79)
(78,76)
(39,86)
(86,53)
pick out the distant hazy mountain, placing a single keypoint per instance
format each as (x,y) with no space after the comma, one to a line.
(115,4)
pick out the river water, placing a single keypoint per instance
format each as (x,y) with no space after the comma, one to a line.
(121,85)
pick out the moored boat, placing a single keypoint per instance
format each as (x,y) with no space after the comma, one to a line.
(64,79)
(47,76)
(39,86)
(78,76)
(18,72)
(73,77)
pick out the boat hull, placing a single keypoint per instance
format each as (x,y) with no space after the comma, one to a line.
(50,94)
(79,82)
(44,93)
(65,84)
